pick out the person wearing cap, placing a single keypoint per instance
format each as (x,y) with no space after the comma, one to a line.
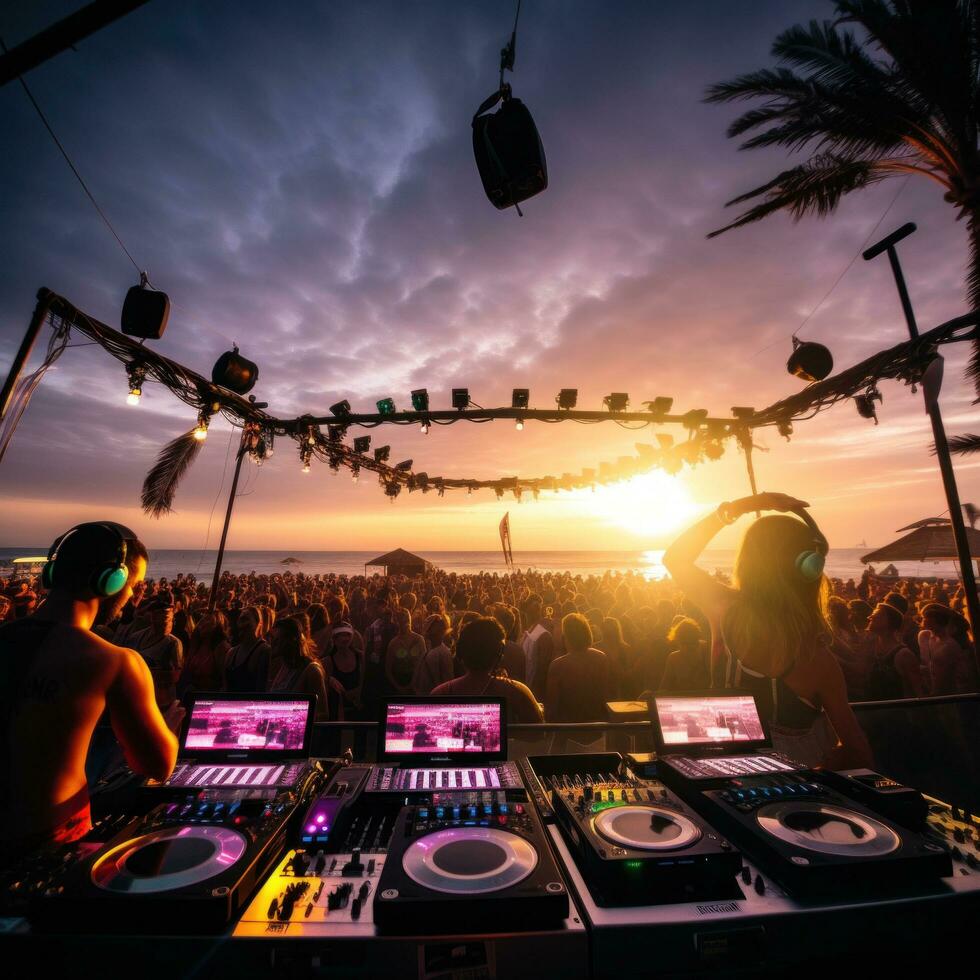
(56,679)
(345,673)
(162,651)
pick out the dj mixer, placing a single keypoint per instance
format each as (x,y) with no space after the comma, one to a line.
(689,861)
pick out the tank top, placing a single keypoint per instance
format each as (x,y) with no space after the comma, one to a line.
(242,673)
(349,680)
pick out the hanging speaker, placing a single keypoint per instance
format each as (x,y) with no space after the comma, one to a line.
(508,151)
(145,313)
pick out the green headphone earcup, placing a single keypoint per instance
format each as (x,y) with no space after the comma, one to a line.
(810,565)
(112,580)
(47,574)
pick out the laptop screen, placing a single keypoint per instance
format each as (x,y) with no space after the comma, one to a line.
(694,721)
(260,726)
(423,730)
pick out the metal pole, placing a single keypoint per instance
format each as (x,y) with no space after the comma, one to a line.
(62,35)
(246,439)
(939,436)
(44,297)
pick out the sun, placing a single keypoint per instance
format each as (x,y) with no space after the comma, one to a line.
(648,505)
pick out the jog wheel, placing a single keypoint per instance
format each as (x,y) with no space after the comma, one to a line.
(647,828)
(469,860)
(167,859)
(827,829)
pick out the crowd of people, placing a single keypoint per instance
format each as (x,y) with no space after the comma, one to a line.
(92,634)
(571,642)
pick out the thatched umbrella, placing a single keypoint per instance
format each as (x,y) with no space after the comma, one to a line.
(931,539)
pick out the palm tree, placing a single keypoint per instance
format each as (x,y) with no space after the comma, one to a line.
(904,98)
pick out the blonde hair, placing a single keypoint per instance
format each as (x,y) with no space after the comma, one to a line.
(778,617)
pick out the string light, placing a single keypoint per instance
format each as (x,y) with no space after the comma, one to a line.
(519,425)
(136,374)
(424,428)
(201,429)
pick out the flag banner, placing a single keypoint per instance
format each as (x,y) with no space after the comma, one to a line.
(505,539)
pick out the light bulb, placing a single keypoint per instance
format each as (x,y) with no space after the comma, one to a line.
(424,428)
(201,432)
(520,425)
(354,476)
(306,467)
(133,398)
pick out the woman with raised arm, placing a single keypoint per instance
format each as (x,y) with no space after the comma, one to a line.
(771,628)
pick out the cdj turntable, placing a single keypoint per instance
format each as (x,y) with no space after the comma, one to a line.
(809,836)
(635,841)
(187,865)
(475,857)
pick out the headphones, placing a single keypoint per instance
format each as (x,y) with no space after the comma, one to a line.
(810,563)
(109,573)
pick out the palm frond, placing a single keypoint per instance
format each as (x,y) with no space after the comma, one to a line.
(816,186)
(161,482)
(965,445)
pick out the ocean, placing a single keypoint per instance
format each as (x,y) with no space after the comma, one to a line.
(841,563)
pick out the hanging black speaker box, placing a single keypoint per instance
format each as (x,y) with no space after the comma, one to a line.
(145,313)
(509,154)
(234,372)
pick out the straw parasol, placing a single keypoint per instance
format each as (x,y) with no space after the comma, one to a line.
(930,539)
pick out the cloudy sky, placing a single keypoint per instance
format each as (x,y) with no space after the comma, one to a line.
(299,178)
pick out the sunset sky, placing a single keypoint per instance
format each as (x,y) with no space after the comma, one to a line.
(299,178)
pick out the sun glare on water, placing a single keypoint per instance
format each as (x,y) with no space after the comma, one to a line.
(649,505)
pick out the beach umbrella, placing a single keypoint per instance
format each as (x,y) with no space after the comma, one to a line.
(930,539)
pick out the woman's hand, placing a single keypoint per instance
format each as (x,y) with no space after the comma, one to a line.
(782,502)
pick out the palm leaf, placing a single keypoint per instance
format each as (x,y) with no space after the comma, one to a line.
(965,445)
(161,482)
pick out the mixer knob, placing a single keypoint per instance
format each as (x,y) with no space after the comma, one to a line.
(746,874)
(760,885)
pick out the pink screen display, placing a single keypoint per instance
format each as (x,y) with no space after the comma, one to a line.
(266,725)
(696,721)
(428,728)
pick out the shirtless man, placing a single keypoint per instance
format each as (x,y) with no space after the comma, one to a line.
(56,679)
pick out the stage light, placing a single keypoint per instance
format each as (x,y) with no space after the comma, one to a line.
(382,453)
(386,406)
(420,400)
(340,409)
(404,466)
(424,427)
(665,440)
(567,398)
(461,398)
(694,419)
(617,401)
(335,433)
(519,425)
(145,312)
(234,372)
(520,398)
(809,362)
(660,405)
(362,444)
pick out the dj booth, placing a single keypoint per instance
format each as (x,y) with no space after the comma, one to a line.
(439,843)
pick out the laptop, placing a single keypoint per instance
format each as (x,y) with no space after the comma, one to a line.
(443,743)
(710,735)
(244,740)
